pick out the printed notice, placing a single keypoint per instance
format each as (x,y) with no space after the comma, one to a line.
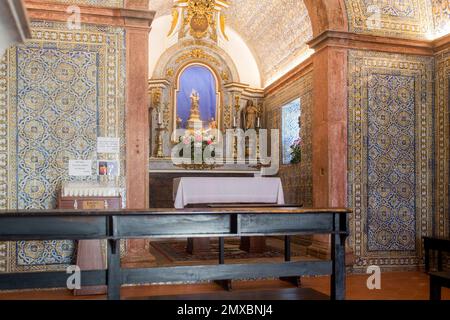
(108,145)
(80,168)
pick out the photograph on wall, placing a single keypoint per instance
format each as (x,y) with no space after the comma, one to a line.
(108,168)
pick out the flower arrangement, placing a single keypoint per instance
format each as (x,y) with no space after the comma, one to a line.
(198,139)
(296,151)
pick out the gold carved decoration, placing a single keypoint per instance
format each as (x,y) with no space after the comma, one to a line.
(170,73)
(198,17)
(197,54)
(156,98)
(222,26)
(175,15)
(224,75)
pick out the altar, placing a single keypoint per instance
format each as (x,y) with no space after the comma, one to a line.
(203,191)
(209,145)
(227,190)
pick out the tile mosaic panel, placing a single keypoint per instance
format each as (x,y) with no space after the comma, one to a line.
(390,157)
(57,94)
(395,18)
(57,112)
(442,124)
(391,163)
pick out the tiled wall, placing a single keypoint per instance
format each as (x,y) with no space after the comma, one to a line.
(58,92)
(442,107)
(296,178)
(405,19)
(390,157)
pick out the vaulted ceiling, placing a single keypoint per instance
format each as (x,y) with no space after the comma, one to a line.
(276,31)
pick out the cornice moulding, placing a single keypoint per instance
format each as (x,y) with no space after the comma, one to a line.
(123,17)
(349,40)
(295,73)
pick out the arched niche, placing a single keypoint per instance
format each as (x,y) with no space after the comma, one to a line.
(201,78)
(188,51)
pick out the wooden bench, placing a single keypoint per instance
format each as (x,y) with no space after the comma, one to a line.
(244,295)
(438,244)
(437,281)
(115,225)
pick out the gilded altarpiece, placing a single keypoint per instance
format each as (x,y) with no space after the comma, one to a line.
(163,85)
(58,93)
(390,157)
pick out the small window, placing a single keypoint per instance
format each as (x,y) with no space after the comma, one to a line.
(290,114)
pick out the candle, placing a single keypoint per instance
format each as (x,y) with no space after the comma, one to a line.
(159,118)
(234,122)
(258,123)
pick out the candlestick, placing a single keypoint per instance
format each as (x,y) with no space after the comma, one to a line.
(159,148)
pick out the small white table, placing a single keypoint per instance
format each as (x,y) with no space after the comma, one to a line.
(216,190)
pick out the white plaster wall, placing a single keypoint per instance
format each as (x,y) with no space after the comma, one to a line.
(236,48)
(243,58)
(158,40)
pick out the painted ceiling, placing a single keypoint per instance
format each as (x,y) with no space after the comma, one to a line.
(276,31)
(414,19)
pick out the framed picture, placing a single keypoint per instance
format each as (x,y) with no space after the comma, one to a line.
(108,168)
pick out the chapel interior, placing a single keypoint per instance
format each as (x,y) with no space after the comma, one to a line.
(334,105)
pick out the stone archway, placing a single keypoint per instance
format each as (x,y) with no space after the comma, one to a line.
(327,15)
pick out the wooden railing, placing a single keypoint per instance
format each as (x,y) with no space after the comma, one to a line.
(167,223)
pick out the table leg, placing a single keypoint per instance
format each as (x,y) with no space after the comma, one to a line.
(427,256)
(253,244)
(90,257)
(225,284)
(296,281)
(439,257)
(197,245)
(114,279)
(221,250)
(338,259)
(435,289)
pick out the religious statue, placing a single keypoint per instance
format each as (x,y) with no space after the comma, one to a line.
(195,109)
(179,122)
(251,113)
(213,124)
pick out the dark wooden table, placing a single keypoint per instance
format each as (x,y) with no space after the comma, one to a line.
(437,281)
(170,223)
(437,244)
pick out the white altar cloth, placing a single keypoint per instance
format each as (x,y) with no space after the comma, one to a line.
(227,190)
